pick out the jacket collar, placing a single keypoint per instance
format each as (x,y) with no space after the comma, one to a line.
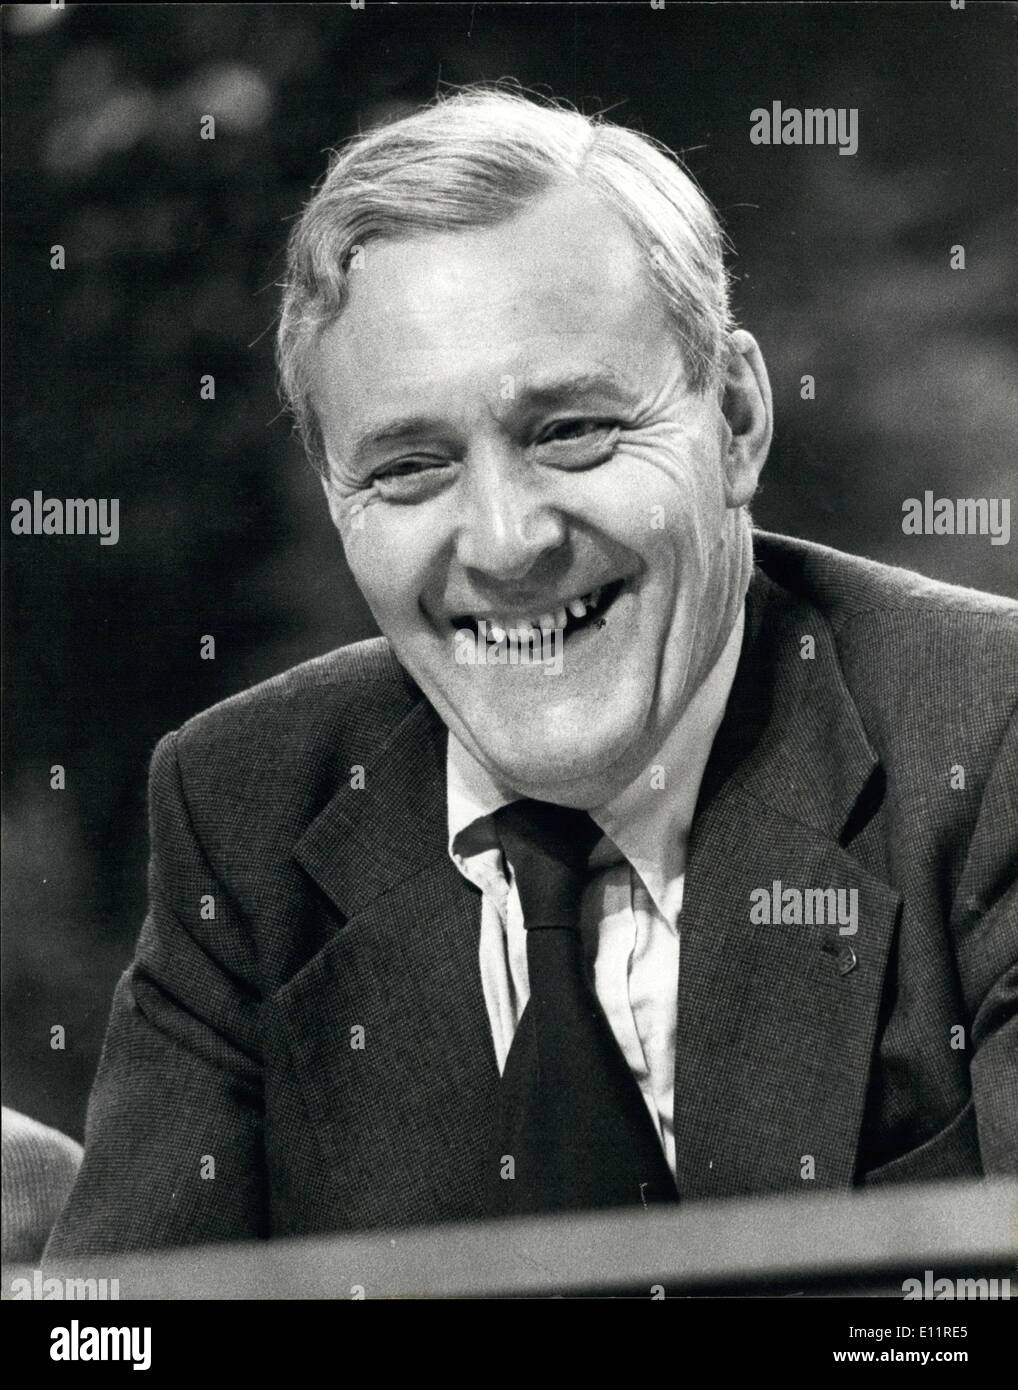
(405,1120)
(792,736)
(388,821)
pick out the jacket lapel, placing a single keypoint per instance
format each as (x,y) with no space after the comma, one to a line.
(404,1109)
(776,1022)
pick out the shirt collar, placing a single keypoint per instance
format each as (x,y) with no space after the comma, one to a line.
(649,820)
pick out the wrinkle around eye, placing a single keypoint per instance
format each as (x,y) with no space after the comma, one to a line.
(355,501)
(576,428)
(585,450)
(350,486)
(413,479)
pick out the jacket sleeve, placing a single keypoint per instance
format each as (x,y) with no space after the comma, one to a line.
(173,1139)
(986,935)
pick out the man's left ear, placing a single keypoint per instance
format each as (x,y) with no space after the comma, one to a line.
(748,413)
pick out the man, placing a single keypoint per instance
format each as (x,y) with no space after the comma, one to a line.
(701,908)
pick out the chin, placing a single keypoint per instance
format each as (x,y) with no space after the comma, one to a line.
(586,757)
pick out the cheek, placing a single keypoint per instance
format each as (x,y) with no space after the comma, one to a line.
(660,494)
(684,469)
(387,555)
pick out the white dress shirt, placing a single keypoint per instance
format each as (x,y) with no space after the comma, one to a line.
(630,915)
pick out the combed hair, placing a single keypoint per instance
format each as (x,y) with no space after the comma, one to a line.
(474,159)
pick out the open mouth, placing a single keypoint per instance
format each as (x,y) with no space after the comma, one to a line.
(584,611)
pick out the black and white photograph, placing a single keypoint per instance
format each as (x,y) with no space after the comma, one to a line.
(511,669)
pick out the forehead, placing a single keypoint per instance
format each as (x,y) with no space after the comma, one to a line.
(561,286)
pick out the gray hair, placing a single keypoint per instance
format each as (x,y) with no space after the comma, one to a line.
(474,159)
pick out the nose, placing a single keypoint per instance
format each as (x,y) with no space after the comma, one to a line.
(508,524)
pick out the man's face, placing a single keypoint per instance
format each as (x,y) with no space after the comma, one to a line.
(510,429)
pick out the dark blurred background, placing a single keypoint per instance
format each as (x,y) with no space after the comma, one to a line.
(174,247)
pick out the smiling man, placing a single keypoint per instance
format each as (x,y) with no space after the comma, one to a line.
(531,438)
(434,939)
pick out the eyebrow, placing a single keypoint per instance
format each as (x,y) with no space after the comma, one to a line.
(550,391)
(555,389)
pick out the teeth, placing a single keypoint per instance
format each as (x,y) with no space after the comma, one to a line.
(554,618)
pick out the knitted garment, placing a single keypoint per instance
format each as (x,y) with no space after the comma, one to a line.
(39,1168)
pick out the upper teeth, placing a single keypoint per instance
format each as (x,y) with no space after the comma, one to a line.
(499,627)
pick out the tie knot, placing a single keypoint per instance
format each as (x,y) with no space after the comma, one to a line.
(548,847)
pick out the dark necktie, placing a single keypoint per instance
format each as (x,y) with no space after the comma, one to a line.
(571,1116)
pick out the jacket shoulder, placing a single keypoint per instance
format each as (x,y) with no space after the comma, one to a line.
(931,667)
(285,742)
(847,587)
(363,681)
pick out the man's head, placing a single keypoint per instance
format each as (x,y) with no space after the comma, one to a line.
(507,342)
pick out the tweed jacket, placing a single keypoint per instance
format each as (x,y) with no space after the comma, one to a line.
(301,1043)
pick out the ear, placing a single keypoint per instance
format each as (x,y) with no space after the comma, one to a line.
(748,413)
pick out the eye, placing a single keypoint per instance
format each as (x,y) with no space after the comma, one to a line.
(411,478)
(575,431)
(580,442)
(406,468)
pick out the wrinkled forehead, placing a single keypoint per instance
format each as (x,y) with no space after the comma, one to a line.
(560,290)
